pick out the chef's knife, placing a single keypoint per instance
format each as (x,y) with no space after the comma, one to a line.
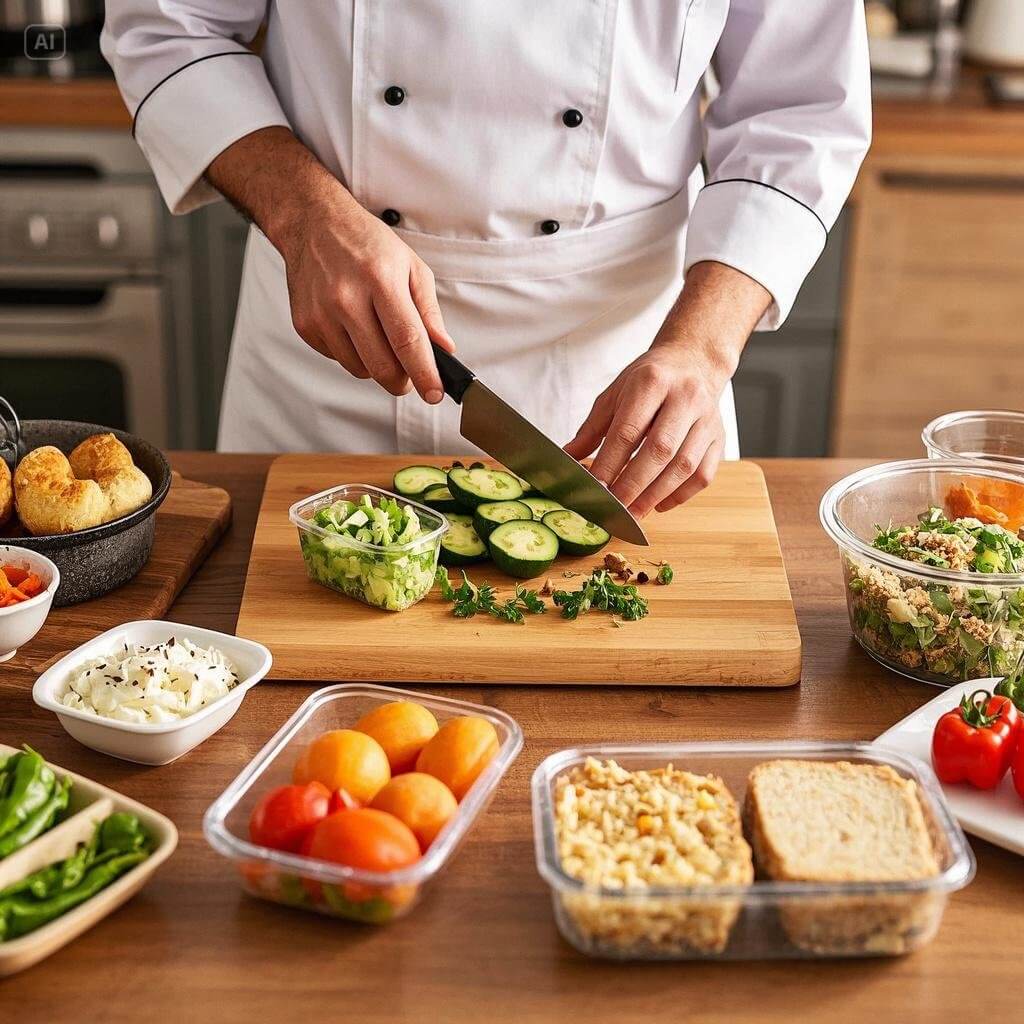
(496,428)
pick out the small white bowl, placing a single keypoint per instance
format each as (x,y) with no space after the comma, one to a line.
(20,622)
(158,743)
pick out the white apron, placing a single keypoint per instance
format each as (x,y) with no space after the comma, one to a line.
(545,323)
(474,159)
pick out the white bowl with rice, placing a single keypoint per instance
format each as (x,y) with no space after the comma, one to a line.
(151,691)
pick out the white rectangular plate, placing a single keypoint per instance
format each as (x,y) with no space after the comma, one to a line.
(996,815)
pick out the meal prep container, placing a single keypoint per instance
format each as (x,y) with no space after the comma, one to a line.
(367,562)
(986,434)
(898,492)
(95,561)
(19,623)
(367,896)
(90,802)
(766,919)
(157,743)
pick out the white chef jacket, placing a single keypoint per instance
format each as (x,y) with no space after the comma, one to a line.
(528,135)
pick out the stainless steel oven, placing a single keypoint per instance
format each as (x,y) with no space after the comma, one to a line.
(86,276)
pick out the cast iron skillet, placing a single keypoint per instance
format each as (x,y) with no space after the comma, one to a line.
(95,561)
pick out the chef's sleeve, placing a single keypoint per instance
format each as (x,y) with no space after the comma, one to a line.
(785,137)
(190,83)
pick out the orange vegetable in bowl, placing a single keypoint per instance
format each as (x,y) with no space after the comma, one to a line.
(17,585)
(402,728)
(345,759)
(424,803)
(461,750)
(364,838)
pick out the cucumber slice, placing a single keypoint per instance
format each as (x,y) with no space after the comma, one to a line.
(412,481)
(460,544)
(523,549)
(440,498)
(472,487)
(540,507)
(492,514)
(575,535)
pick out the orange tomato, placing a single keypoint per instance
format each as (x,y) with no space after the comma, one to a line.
(424,803)
(402,728)
(364,838)
(461,750)
(345,759)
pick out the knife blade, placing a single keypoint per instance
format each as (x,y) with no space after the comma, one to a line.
(506,435)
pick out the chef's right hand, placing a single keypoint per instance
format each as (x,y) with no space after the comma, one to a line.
(358,293)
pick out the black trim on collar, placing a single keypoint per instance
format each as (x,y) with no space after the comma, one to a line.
(751,181)
(167,78)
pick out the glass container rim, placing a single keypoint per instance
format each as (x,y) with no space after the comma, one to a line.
(946,420)
(843,536)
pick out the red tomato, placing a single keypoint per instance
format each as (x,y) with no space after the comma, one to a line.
(283,818)
(975,742)
(365,838)
(342,800)
(1017,765)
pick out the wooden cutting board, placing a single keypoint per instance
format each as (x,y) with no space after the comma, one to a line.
(191,520)
(727,620)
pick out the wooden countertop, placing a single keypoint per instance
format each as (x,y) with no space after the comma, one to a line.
(962,127)
(483,945)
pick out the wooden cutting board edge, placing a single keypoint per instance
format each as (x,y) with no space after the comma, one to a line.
(775,668)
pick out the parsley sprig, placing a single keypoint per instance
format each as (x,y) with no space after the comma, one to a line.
(602,592)
(468,600)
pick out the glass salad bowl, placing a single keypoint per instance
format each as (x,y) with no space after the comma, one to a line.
(370,544)
(929,622)
(991,435)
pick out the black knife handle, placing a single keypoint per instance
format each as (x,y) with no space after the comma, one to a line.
(454,376)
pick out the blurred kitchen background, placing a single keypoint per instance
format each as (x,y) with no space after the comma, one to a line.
(113,312)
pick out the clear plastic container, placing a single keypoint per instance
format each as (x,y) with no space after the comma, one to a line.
(389,576)
(766,919)
(986,434)
(974,626)
(368,896)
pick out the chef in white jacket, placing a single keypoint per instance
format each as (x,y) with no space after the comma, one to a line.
(520,179)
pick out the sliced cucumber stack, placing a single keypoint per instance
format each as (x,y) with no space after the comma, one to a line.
(460,544)
(523,548)
(412,481)
(490,515)
(575,535)
(440,498)
(478,485)
(540,507)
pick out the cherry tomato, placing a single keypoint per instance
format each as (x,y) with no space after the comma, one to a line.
(365,838)
(975,741)
(342,800)
(285,815)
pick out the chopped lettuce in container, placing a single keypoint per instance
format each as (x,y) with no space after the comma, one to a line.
(375,549)
(944,632)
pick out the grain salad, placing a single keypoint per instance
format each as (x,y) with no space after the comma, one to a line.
(630,835)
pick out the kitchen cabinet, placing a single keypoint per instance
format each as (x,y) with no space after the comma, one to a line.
(935,314)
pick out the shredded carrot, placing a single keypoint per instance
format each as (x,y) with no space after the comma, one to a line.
(14,575)
(17,585)
(30,585)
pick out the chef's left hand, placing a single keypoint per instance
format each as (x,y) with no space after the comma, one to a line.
(664,405)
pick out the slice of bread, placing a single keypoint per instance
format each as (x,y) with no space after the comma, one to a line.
(836,822)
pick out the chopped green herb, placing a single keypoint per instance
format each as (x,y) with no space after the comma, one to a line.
(603,593)
(665,575)
(468,600)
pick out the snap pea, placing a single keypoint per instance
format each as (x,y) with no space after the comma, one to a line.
(22,914)
(31,785)
(39,821)
(116,845)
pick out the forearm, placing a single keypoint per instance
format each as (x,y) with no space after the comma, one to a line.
(278,183)
(714,315)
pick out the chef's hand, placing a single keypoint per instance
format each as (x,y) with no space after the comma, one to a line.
(358,293)
(664,405)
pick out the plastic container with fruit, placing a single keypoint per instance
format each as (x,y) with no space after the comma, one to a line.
(361,798)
